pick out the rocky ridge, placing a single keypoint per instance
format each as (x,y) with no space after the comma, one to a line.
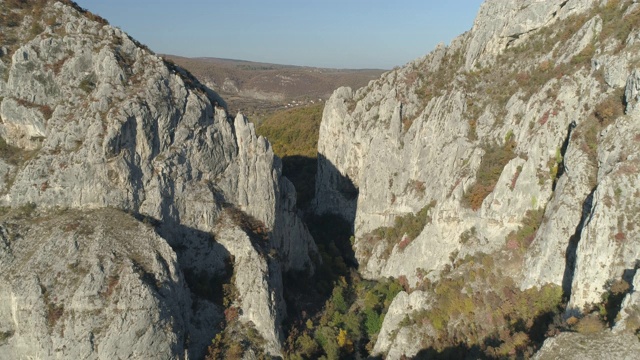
(518,138)
(93,122)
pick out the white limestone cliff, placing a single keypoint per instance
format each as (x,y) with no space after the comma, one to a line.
(77,284)
(418,135)
(92,120)
(502,24)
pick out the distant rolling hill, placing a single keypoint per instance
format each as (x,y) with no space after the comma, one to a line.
(258,89)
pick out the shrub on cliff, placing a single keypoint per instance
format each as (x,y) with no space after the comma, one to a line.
(493,162)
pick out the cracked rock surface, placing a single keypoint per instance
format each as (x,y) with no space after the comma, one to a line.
(561,105)
(92,122)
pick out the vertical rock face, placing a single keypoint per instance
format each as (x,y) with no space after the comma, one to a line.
(629,307)
(259,285)
(92,120)
(77,285)
(501,24)
(607,250)
(254,182)
(530,115)
(404,342)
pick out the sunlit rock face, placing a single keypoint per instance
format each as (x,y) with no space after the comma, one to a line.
(100,133)
(531,115)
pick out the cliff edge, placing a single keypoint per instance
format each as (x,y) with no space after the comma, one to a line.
(158,203)
(517,142)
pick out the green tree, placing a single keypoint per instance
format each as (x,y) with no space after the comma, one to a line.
(373,322)
(307,345)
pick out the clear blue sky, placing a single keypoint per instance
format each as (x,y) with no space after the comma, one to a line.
(322,33)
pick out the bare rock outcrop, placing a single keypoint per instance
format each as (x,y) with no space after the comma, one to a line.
(607,249)
(629,314)
(518,139)
(404,342)
(603,345)
(90,120)
(91,284)
(502,24)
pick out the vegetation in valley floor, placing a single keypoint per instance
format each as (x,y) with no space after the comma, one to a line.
(349,322)
(336,313)
(293,132)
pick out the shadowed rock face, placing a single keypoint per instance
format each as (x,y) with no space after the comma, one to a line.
(90,120)
(516,83)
